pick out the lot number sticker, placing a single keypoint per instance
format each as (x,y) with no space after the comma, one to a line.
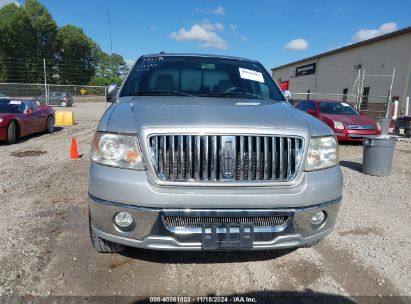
(251,75)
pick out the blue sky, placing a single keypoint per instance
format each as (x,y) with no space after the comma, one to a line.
(273,32)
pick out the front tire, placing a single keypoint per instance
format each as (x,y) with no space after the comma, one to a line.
(396,131)
(11,133)
(50,124)
(63,104)
(104,246)
(407,133)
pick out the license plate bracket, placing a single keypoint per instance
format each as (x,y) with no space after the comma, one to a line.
(223,236)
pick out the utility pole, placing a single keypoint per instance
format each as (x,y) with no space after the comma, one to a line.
(45,82)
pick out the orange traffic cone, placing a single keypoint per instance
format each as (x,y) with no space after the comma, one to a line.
(73,149)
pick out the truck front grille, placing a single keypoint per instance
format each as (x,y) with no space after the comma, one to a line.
(199,221)
(217,158)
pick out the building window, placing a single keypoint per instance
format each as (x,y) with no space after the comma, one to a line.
(364,99)
(344,97)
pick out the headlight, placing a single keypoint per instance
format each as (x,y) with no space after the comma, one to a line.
(323,153)
(338,125)
(1,120)
(116,150)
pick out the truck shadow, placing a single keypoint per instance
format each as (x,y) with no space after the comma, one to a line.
(203,257)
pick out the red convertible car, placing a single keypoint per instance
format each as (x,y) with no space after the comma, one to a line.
(347,123)
(19,118)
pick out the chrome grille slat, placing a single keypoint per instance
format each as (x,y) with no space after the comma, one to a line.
(274,158)
(199,221)
(197,154)
(250,158)
(266,158)
(200,158)
(172,160)
(241,177)
(288,157)
(258,157)
(213,158)
(205,157)
(281,158)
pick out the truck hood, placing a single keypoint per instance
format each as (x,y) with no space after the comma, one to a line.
(133,114)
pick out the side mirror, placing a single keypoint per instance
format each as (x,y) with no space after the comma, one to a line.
(29,111)
(311,112)
(111,93)
(287,94)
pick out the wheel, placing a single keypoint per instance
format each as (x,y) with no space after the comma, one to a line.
(50,124)
(104,246)
(312,244)
(63,104)
(11,133)
(396,131)
(407,133)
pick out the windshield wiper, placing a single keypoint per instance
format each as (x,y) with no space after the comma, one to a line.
(233,94)
(156,92)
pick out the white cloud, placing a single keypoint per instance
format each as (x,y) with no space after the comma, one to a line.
(233,27)
(130,62)
(243,38)
(364,34)
(219,10)
(197,32)
(5,2)
(297,44)
(212,27)
(153,28)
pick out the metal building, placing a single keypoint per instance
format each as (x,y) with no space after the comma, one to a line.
(361,74)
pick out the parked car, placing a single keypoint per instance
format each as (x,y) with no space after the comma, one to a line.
(63,99)
(202,152)
(19,118)
(347,123)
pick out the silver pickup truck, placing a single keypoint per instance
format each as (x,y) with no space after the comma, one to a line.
(201,152)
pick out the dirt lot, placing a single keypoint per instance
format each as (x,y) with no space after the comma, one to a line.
(45,247)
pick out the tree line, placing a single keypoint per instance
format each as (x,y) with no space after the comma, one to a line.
(29,34)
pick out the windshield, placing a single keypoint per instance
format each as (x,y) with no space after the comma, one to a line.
(337,108)
(7,106)
(200,76)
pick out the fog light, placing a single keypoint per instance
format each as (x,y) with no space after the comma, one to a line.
(318,218)
(123,219)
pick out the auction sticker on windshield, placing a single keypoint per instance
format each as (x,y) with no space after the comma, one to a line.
(15,102)
(251,75)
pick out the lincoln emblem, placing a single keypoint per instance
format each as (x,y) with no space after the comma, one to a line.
(228,155)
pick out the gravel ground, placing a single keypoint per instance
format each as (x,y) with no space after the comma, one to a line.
(45,248)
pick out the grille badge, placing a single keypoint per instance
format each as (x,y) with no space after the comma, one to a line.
(228,156)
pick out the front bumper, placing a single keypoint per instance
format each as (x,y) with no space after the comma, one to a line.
(355,135)
(150,230)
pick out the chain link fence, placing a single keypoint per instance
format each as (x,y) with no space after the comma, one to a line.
(50,93)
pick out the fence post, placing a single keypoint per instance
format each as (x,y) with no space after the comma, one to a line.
(45,81)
